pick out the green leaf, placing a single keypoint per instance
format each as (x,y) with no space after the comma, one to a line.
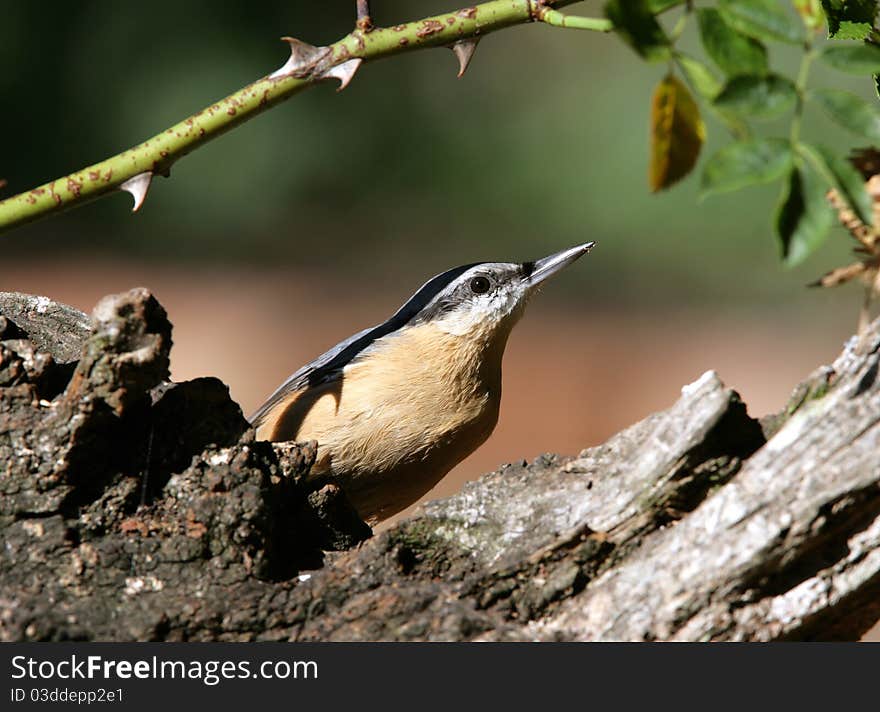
(658,6)
(854,31)
(850,19)
(853,59)
(746,163)
(850,111)
(638,27)
(762,97)
(843,176)
(677,134)
(699,76)
(762,19)
(704,82)
(803,217)
(733,52)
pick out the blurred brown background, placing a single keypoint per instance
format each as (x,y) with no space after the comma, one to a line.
(322,216)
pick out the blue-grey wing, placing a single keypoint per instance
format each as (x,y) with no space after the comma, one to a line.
(329,365)
(325,368)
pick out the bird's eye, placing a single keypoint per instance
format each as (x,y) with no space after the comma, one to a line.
(480,285)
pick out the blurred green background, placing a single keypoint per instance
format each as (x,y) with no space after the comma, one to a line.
(542,144)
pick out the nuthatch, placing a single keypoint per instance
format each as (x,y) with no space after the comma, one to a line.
(395,407)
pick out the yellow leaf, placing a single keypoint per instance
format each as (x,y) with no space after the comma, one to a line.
(677,133)
(810,12)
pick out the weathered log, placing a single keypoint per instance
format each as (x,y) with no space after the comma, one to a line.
(132,508)
(52,327)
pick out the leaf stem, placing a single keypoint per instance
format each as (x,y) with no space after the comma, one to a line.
(364,21)
(575,22)
(801,87)
(680,24)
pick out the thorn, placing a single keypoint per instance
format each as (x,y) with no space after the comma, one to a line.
(138,187)
(464,50)
(303,56)
(343,72)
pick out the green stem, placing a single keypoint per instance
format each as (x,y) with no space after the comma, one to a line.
(680,24)
(157,154)
(801,86)
(575,22)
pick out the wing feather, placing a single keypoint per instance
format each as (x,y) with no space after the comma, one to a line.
(330,364)
(321,370)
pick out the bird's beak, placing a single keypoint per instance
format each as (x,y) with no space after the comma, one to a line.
(551,264)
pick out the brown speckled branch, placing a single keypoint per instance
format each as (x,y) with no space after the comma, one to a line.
(133,169)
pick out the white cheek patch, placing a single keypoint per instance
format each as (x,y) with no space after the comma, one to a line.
(482,313)
(463,321)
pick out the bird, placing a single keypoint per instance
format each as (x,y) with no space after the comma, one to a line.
(395,407)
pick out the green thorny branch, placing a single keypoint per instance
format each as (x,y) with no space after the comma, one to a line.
(133,170)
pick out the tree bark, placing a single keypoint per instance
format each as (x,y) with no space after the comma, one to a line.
(136,509)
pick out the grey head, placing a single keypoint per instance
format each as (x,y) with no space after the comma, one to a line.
(482,295)
(458,299)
